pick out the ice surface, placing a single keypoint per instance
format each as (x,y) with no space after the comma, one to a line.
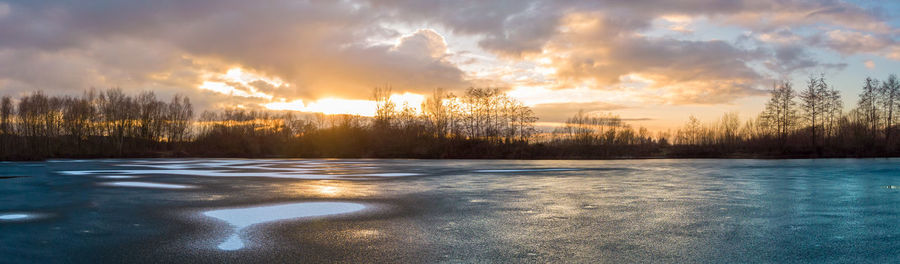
(148,185)
(240,218)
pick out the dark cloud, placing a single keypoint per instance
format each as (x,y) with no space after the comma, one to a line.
(792,58)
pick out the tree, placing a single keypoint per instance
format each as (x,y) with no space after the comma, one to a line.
(178,116)
(385,108)
(728,129)
(780,112)
(813,100)
(868,108)
(692,133)
(7,130)
(833,111)
(889,93)
(77,119)
(436,111)
(6,113)
(118,112)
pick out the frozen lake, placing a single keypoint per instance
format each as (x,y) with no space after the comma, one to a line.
(273,211)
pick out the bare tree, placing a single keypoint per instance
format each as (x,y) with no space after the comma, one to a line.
(77,119)
(7,128)
(868,107)
(437,112)
(728,127)
(833,111)
(780,112)
(813,103)
(178,117)
(6,114)
(385,108)
(889,94)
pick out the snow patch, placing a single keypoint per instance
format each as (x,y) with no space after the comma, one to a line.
(148,185)
(394,174)
(264,174)
(240,218)
(527,170)
(14,216)
(117,177)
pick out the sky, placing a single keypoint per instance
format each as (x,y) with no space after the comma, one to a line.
(653,62)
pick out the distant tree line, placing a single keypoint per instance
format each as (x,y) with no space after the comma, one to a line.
(809,122)
(482,122)
(479,123)
(96,124)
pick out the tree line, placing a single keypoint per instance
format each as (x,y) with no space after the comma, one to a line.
(806,122)
(96,124)
(478,123)
(481,122)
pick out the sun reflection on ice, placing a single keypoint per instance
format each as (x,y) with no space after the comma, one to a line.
(330,189)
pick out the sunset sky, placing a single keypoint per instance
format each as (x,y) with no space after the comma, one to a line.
(653,62)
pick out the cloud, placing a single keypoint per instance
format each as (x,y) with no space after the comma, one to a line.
(607,42)
(321,49)
(790,58)
(869,64)
(598,49)
(854,42)
(559,112)
(4,9)
(425,42)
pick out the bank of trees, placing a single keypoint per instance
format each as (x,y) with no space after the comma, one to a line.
(97,124)
(810,122)
(481,122)
(478,123)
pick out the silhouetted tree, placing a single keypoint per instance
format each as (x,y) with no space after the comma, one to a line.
(868,108)
(889,93)
(780,113)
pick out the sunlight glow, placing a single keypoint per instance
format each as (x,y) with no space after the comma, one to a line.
(333,106)
(237,82)
(535,95)
(224,88)
(329,106)
(240,76)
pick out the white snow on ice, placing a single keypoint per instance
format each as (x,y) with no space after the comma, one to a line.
(289,169)
(14,216)
(148,185)
(392,174)
(117,177)
(240,218)
(526,170)
(265,174)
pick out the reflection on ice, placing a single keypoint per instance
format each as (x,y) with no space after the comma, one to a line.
(148,185)
(240,218)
